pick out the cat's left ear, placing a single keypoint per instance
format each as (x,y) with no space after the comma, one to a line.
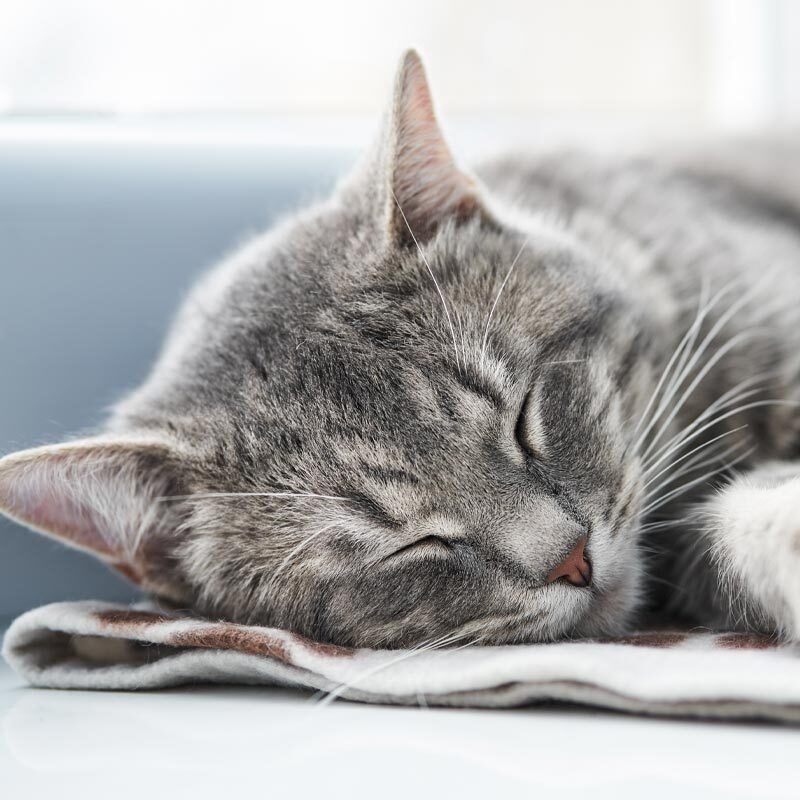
(423,185)
(104,496)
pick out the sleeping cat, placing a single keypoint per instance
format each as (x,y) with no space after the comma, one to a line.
(524,404)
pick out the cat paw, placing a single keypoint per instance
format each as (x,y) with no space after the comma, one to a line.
(754,526)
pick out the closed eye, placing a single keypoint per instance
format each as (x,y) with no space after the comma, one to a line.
(522,430)
(427,545)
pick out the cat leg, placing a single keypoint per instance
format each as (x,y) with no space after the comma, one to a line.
(750,531)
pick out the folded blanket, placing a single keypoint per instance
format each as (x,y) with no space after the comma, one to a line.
(93,645)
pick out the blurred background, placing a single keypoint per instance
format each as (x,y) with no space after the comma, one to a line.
(141,141)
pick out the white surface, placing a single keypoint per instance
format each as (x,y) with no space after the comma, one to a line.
(273,743)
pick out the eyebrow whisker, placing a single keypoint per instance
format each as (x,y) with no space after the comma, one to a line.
(433,278)
(496,300)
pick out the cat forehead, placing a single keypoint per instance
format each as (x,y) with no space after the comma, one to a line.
(287,338)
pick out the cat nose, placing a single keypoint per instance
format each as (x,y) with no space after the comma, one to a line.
(575,568)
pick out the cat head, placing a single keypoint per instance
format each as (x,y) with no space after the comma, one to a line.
(406,415)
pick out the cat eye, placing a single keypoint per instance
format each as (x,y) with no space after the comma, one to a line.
(430,545)
(527,430)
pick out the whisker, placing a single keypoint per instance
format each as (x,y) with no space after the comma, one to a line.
(461,333)
(705,457)
(294,495)
(294,551)
(686,343)
(691,431)
(710,364)
(421,649)
(687,455)
(677,447)
(565,361)
(738,410)
(683,488)
(696,464)
(710,336)
(497,299)
(433,278)
(661,525)
(706,310)
(732,396)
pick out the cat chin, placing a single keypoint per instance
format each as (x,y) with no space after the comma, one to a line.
(617,593)
(612,611)
(589,613)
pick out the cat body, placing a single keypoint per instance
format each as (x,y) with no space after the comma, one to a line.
(517,405)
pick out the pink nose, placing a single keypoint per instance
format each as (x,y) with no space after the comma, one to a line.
(574,569)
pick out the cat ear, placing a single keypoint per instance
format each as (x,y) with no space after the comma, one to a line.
(100,495)
(425,186)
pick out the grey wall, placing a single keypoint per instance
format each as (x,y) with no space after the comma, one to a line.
(97,245)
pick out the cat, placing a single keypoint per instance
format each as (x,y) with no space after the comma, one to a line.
(533,402)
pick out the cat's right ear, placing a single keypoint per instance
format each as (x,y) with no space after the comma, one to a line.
(419,184)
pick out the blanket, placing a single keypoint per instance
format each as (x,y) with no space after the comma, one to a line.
(696,673)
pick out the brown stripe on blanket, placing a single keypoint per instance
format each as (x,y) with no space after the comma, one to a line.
(746,641)
(227,636)
(650,639)
(222,635)
(114,616)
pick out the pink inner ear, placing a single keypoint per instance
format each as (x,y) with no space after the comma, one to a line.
(417,102)
(52,489)
(427,183)
(58,515)
(96,494)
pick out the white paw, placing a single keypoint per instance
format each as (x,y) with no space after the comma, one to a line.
(754,525)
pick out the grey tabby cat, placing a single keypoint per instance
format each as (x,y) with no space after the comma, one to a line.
(525,404)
